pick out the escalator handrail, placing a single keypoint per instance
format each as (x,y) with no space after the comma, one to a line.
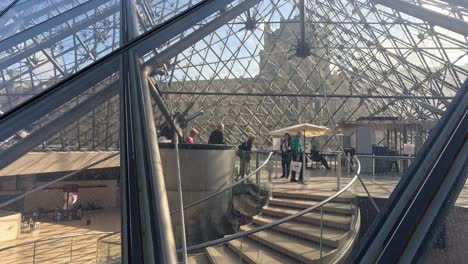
(279,221)
(229,187)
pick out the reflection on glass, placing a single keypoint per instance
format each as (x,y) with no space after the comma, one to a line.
(449,244)
(60,176)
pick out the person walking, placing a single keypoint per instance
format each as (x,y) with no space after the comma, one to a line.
(244,154)
(296,149)
(217,136)
(285,146)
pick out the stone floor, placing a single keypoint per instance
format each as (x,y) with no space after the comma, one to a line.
(325,181)
(63,242)
(82,249)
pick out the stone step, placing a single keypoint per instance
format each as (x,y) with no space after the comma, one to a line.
(253,252)
(345,197)
(198,259)
(328,219)
(246,204)
(300,249)
(343,208)
(221,254)
(330,236)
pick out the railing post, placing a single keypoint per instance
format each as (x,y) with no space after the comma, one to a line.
(270,170)
(71,249)
(336,162)
(257,176)
(181,200)
(34,253)
(400,167)
(275,165)
(349,163)
(321,233)
(108,253)
(338,172)
(373,164)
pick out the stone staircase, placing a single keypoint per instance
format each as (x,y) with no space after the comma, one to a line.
(295,241)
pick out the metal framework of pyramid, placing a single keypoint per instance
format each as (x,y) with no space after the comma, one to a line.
(254,65)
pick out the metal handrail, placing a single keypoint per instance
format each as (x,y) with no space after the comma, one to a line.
(384,156)
(58,237)
(229,187)
(277,222)
(108,235)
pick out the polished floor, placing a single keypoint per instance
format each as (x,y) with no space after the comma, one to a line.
(62,242)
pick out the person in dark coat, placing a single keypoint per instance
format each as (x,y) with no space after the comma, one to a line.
(217,136)
(317,157)
(244,154)
(285,147)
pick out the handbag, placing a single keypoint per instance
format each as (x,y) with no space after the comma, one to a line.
(296,166)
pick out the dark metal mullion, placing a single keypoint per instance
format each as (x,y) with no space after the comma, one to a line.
(153,233)
(157,236)
(130,227)
(130,224)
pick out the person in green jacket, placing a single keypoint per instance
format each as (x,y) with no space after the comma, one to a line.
(296,148)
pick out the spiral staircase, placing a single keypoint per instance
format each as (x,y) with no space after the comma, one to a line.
(321,236)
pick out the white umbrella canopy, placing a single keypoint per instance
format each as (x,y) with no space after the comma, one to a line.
(308,130)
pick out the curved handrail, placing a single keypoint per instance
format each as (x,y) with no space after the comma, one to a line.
(279,221)
(58,237)
(229,187)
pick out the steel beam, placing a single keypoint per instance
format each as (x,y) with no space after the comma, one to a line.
(45,102)
(8,7)
(199,34)
(16,57)
(176,26)
(437,19)
(50,24)
(61,92)
(47,131)
(462,3)
(396,97)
